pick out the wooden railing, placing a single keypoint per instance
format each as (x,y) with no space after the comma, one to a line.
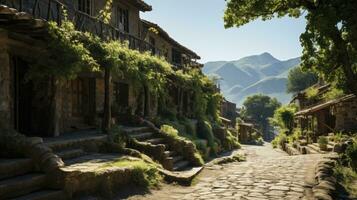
(53,10)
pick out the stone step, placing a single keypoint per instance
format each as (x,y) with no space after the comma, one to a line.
(311,150)
(156,141)
(21,185)
(315,147)
(14,167)
(77,141)
(181,165)
(44,195)
(70,153)
(133,130)
(142,136)
(170,153)
(177,158)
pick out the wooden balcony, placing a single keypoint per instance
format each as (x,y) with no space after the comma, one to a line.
(53,10)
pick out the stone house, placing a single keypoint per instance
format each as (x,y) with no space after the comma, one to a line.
(229,111)
(323,117)
(181,58)
(47,107)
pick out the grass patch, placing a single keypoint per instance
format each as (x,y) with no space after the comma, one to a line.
(347,178)
(144,174)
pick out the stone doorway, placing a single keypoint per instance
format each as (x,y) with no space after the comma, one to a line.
(23,96)
(31,101)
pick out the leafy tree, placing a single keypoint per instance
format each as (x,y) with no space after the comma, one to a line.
(330,39)
(260,108)
(284,117)
(299,80)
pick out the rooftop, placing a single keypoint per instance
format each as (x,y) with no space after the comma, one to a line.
(167,37)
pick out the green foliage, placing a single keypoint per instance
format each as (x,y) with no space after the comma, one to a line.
(295,136)
(144,174)
(65,56)
(332,94)
(346,177)
(231,142)
(312,93)
(205,132)
(284,117)
(279,140)
(299,80)
(323,142)
(329,41)
(259,141)
(70,52)
(117,135)
(351,154)
(170,131)
(213,107)
(260,108)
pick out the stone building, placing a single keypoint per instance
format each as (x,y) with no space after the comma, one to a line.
(48,107)
(326,116)
(229,111)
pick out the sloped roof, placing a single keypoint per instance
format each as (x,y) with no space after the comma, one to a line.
(142,5)
(167,37)
(325,105)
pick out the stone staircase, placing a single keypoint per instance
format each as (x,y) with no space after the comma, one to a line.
(171,159)
(73,146)
(20,180)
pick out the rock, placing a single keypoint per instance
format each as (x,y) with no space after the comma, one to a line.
(322,195)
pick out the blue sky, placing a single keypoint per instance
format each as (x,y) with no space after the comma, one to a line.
(200,28)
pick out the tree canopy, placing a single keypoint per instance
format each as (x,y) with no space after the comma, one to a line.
(284,117)
(260,108)
(299,80)
(330,39)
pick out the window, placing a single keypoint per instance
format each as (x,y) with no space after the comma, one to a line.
(153,45)
(176,57)
(123,19)
(85,6)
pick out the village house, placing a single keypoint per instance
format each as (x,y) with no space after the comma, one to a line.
(54,125)
(44,108)
(323,117)
(229,112)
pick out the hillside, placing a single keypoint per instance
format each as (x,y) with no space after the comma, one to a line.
(251,75)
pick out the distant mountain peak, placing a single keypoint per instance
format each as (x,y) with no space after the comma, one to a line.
(261,73)
(268,56)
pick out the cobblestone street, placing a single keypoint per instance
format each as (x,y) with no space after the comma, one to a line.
(267,174)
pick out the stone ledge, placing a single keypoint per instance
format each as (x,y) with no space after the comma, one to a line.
(181,177)
(325,182)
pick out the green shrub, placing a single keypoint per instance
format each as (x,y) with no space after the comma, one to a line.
(118,136)
(260,141)
(346,177)
(279,140)
(205,132)
(144,174)
(231,142)
(351,154)
(323,142)
(170,131)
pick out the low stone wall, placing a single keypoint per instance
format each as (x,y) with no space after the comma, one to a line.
(184,147)
(14,145)
(325,182)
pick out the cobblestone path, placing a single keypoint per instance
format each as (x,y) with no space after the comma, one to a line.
(267,174)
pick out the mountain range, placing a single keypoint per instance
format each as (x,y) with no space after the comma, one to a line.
(250,75)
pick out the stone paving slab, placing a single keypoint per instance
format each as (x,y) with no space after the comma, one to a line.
(267,174)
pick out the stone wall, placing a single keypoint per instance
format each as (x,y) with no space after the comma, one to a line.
(162,44)
(5,74)
(346,115)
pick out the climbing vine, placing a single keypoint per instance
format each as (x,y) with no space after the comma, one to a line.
(70,52)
